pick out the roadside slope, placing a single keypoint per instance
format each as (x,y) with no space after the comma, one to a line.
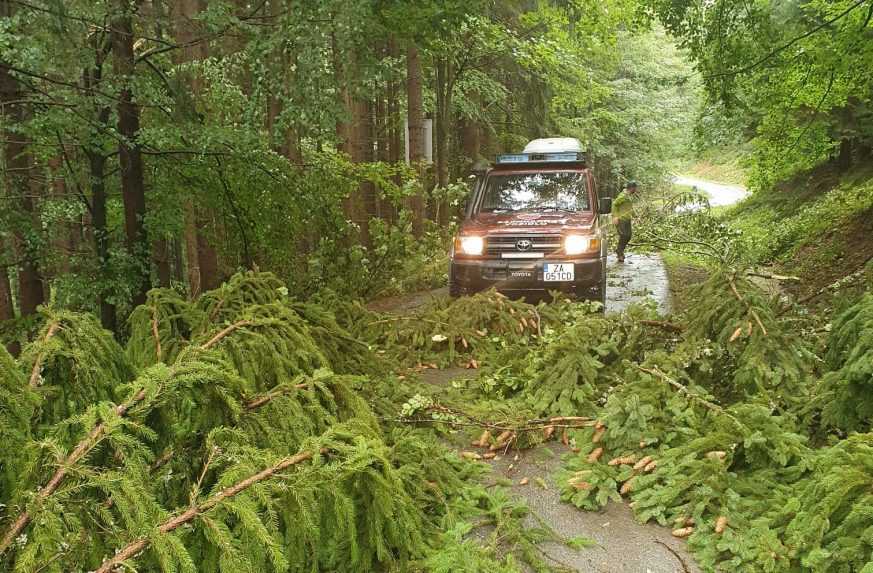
(818,226)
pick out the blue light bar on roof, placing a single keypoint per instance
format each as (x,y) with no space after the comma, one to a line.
(540,157)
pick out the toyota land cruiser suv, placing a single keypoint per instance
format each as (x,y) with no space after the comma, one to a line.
(533,225)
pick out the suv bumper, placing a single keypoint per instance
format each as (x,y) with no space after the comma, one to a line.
(473,275)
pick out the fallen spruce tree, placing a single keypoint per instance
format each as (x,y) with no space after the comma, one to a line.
(231,433)
(728,426)
(235,432)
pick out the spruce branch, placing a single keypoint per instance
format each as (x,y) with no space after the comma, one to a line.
(155,333)
(89,443)
(262,400)
(37,364)
(684,390)
(669,326)
(81,450)
(134,548)
(462,418)
(217,338)
(748,306)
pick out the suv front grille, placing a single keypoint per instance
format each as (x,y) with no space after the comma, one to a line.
(517,246)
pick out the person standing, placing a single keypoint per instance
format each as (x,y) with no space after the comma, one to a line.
(622,214)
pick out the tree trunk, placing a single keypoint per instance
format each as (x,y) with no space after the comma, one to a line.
(444,88)
(97,181)
(97,166)
(191,249)
(63,236)
(161,259)
(470,142)
(364,153)
(350,134)
(210,276)
(18,173)
(415,119)
(7,306)
(844,159)
(442,112)
(130,156)
(201,258)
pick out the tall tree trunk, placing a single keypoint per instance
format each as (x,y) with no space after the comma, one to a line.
(201,256)
(97,159)
(442,160)
(7,306)
(349,134)
(161,257)
(192,252)
(97,167)
(130,156)
(394,145)
(470,142)
(444,87)
(415,119)
(18,174)
(364,152)
(64,234)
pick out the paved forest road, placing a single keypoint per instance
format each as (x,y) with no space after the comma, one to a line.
(639,277)
(622,544)
(720,194)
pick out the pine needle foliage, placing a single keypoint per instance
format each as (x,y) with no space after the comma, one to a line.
(345,353)
(768,359)
(845,394)
(161,328)
(73,363)
(469,326)
(17,406)
(228,301)
(234,447)
(267,345)
(567,377)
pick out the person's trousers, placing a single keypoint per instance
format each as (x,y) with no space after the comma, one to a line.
(624,236)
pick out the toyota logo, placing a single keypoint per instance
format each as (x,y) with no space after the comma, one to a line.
(523,244)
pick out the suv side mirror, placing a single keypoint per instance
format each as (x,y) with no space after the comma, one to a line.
(605,206)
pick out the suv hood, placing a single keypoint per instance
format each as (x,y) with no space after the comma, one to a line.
(526,222)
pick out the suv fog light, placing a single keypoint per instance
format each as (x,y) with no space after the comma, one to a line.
(576,244)
(472,245)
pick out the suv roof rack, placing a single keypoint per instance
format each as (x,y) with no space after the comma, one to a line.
(553,145)
(555,157)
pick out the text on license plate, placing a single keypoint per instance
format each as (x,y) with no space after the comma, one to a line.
(553,272)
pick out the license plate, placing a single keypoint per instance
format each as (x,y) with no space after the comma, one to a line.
(558,272)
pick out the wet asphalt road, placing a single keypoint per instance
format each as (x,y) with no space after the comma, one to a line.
(622,544)
(640,277)
(720,194)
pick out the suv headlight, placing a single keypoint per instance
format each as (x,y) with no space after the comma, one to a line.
(472,245)
(577,244)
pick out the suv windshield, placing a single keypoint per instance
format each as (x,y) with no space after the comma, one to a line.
(548,191)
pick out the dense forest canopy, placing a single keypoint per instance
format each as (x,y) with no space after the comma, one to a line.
(152,143)
(172,143)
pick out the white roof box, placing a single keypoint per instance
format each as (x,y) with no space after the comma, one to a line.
(553,145)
